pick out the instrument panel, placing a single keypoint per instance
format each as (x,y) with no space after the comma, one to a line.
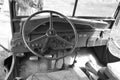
(88,35)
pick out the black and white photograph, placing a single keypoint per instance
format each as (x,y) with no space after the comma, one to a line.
(59,39)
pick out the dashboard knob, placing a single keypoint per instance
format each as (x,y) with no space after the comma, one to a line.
(64,44)
(19,43)
(36,45)
(40,45)
(33,45)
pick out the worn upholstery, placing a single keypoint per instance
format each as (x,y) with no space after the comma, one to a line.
(71,74)
(113,70)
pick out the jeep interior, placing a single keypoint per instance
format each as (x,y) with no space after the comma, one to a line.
(58,43)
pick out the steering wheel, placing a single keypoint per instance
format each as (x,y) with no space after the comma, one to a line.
(49,34)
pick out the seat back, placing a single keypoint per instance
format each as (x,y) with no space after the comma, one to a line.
(113,70)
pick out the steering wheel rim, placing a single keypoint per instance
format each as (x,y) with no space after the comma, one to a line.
(51,12)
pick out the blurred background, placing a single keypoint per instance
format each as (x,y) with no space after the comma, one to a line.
(5,30)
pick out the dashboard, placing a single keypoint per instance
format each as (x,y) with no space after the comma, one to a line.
(90,32)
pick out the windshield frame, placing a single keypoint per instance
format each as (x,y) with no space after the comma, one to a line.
(75,6)
(73,13)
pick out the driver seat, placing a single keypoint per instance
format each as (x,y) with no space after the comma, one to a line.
(70,74)
(113,70)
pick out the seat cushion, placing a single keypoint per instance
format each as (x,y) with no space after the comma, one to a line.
(113,70)
(70,74)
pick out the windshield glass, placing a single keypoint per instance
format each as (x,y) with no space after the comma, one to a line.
(96,8)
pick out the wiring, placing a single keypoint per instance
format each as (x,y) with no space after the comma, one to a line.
(7,50)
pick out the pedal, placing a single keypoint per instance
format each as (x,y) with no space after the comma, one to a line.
(91,67)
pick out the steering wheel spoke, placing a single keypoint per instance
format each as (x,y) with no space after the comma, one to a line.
(44,45)
(64,40)
(40,42)
(38,39)
(51,22)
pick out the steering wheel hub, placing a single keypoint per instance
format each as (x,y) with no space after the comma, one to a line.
(51,33)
